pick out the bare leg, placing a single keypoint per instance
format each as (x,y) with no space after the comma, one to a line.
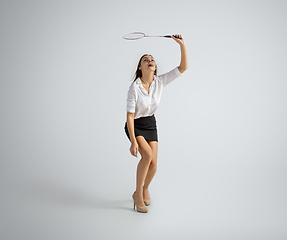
(142,168)
(151,170)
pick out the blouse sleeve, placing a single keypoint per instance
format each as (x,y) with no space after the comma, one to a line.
(131,100)
(169,76)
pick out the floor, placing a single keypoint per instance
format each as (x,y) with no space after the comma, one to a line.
(211,205)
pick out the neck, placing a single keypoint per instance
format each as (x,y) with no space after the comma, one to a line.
(147,77)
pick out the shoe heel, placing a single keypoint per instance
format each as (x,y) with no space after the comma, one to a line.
(139,209)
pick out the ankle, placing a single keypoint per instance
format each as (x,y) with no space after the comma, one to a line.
(145,187)
(138,193)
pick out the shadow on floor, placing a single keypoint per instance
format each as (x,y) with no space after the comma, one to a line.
(55,195)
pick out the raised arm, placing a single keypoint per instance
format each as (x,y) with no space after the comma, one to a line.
(184,60)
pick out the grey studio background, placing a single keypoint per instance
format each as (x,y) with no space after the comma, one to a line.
(66,170)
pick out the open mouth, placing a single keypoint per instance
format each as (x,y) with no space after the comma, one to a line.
(150,65)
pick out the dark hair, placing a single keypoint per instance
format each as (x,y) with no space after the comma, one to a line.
(138,73)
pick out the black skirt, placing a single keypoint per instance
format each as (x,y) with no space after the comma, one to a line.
(144,126)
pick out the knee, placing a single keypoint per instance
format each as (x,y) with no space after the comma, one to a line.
(147,156)
(153,166)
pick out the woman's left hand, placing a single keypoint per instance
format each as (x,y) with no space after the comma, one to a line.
(178,38)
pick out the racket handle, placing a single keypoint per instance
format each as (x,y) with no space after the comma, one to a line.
(169,36)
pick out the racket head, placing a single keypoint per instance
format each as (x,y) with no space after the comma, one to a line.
(134,36)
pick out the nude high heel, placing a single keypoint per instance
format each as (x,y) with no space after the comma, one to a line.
(147,202)
(139,209)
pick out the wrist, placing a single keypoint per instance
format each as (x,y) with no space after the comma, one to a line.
(182,44)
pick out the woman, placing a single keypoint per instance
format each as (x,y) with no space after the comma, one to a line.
(143,99)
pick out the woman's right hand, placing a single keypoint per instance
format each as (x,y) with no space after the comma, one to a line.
(134,148)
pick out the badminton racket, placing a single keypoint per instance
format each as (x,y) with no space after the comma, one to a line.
(140,35)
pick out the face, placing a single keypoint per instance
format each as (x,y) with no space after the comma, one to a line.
(147,64)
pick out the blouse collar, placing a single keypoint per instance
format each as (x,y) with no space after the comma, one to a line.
(138,80)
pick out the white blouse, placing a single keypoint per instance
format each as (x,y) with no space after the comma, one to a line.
(144,104)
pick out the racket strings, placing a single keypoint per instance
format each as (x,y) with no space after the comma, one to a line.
(134,36)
